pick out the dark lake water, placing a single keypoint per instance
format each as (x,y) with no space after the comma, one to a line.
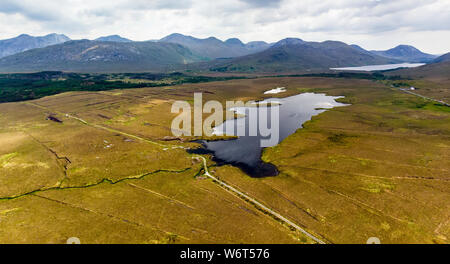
(245,151)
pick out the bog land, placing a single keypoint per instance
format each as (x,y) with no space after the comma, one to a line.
(97,165)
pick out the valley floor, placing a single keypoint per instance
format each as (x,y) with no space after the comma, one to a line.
(107,174)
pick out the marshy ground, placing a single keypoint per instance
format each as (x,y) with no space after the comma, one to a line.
(376,168)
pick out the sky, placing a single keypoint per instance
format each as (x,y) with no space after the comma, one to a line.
(372,24)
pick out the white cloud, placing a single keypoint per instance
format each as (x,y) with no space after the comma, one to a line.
(374,24)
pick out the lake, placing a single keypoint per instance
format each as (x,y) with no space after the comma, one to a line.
(245,151)
(379,67)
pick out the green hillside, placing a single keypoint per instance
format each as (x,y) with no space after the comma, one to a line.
(292,55)
(97,56)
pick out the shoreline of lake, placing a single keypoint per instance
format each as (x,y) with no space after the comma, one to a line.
(245,151)
(379,67)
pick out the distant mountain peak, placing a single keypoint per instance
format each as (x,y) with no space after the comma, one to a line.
(290,41)
(213,48)
(57,38)
(234,41)
(54,34)
(177,38)
(404,48)
(406,53)
(213,38)
(257,42)
(334,42)
(113,38)
(258,45)
(176,35)
(26,42)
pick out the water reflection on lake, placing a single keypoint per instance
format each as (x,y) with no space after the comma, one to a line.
(380,67)
(245,152)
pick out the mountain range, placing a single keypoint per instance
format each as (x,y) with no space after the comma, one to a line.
(180,52)
(100,56)
(406,53)
(213,48)
(292,54)
(26,42)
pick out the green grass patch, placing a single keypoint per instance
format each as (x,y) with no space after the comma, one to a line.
(5,158)
(437,107)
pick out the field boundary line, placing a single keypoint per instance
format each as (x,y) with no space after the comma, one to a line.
(259,205)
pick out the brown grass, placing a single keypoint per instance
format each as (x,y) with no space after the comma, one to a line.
(375,168)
